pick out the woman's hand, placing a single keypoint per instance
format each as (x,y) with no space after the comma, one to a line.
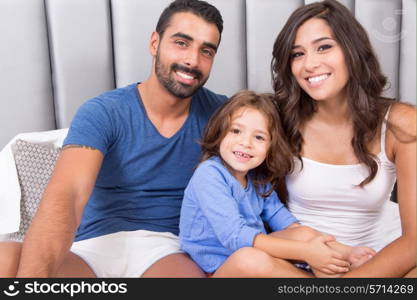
(322,258)
(359,255)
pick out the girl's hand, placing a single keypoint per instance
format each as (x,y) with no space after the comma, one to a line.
(324,259)
(359,255)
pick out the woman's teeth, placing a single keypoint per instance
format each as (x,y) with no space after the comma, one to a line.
(318,78)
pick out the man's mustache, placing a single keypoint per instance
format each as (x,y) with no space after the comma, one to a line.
(195,72)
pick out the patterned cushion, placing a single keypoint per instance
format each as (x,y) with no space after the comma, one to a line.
(34,163)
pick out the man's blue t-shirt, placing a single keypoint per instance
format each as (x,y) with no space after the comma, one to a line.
(143,176)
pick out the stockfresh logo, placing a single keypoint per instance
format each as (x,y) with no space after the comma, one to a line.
(12,290)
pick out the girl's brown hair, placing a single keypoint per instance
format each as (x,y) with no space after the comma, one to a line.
(364,87)
(278,161)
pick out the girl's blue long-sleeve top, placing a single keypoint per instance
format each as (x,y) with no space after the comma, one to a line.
(219,216)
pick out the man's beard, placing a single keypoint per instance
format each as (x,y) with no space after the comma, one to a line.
(177,89)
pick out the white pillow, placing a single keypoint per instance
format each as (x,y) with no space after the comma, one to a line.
(34,164)
(10,194)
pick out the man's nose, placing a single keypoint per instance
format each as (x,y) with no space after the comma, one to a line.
(192,58)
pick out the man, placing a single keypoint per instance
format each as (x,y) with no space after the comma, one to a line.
(124,165)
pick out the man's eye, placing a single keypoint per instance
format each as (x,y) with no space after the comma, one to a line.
(208,52)
(181,43)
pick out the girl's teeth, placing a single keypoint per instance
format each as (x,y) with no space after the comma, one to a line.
(318,78)
(242,154)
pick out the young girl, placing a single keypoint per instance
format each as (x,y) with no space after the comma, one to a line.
(231,195)
(352,144)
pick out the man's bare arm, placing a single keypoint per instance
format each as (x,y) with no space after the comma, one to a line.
(51,233)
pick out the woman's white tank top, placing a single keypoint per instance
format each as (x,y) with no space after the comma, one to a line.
(327,197)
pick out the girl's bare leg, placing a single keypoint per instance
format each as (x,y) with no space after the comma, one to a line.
(254,263)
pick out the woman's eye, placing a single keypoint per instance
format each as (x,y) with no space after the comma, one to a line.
(324,47)
(296,54)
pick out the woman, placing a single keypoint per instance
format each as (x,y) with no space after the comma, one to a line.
(351,143)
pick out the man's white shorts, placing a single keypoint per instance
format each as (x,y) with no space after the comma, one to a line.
(126,253)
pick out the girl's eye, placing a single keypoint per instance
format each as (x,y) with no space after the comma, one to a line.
(235,130)
(324,47)
(260,138)
(296,54)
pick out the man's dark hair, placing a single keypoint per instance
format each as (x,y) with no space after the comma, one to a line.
(197,7)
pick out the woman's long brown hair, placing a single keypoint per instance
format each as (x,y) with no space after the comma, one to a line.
(278,161)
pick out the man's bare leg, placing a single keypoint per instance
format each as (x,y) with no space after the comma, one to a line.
(73,265)
(174,265)
(9,258)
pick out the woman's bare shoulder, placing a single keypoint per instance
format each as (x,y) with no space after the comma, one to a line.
(402,119)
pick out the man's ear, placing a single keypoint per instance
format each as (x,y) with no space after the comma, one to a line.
(154,43)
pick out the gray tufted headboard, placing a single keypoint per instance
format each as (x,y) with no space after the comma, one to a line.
(55,54)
